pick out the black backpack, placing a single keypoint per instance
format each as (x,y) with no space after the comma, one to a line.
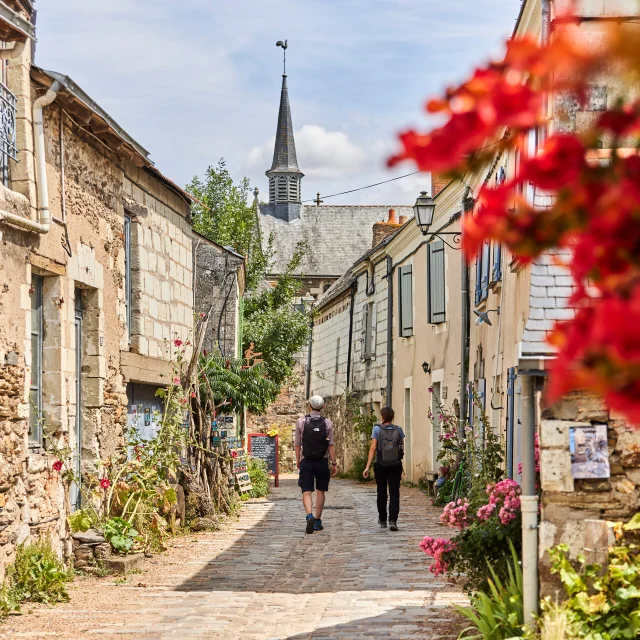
(389,446)
(314,438)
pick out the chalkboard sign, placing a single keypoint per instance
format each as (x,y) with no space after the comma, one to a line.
(266,448)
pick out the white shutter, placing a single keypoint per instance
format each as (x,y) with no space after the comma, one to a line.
(374,329)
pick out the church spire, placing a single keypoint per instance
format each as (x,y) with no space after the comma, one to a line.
(285,175)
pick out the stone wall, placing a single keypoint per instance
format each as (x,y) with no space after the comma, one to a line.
(218,273)
(567,503)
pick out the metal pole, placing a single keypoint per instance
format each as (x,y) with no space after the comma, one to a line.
(389,391)
(529,501)
(464,321)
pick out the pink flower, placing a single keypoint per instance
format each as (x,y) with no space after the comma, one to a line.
(183,401)
(430,389)
(105,483)
(504,496)
(436,548)
(455,514)
(176,380)
(57,465)
(484,513)
(177,342)
(234,454)
(202,314)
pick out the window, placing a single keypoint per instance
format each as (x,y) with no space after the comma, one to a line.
(35,388)
(482,272)
(405,300)
(436,293)
(127,271)
(369,330)
(496,269)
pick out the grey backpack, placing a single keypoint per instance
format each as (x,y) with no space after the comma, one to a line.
(389,446)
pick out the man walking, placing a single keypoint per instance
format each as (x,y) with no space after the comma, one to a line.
(314,448)
(388,447)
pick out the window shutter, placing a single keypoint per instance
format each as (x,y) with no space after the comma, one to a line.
(374,329)
(406,301)
(478,297)
(511,379)
(364,346)
(496,272)
(436,293)
(486,266)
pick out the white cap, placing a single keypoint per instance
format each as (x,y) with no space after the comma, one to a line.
(316,402)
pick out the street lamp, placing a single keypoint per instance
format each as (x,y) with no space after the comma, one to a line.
(423,210)
(426,367)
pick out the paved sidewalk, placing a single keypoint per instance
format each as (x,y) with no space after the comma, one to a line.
(261,577)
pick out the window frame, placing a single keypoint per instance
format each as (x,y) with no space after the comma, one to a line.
(128,288)
(37,341)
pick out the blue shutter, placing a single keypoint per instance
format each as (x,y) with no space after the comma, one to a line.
(478,297)
(486,266)
(405,301)
(436,283)
(496,271)
(511,379)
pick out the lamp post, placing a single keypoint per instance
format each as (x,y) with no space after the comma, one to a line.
(423,210)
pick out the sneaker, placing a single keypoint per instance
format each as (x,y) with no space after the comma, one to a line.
(310,523)
(317,525)
(382,523)
(392,525)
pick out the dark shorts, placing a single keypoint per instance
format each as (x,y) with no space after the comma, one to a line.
(311,470)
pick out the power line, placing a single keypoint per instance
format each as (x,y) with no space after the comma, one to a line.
(333,195)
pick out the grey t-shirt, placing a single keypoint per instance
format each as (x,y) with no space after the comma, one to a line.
(376,431)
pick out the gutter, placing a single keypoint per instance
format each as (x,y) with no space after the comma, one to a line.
(309,351)
(389,276)
(354,286)
(44,216)
(465,331)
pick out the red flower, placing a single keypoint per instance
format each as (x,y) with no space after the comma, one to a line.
(202,314)
(57,465)
(105,483)
(176,380)
(234,454)
(177,342)
(620,121)
(193,394)
(558,165)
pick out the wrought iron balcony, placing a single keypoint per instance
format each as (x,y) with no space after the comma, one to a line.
(8,147)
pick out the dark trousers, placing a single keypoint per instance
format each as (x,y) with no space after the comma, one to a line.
(388,476)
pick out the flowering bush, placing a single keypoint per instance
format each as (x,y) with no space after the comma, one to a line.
(592,208)
(455,514)
(437,548)
(504,497)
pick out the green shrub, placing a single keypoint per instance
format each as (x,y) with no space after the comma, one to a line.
(259,475)
(356,469)
(120,534)
(37,575)
(81,520)
(8,601)
(497,613)
(602,605)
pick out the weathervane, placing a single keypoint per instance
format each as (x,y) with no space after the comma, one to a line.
(284,46)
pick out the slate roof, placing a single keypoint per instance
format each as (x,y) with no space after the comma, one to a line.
(549,293)
(284,151)
(337,235)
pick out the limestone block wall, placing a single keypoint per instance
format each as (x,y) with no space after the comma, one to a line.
(162,268)
(567,502)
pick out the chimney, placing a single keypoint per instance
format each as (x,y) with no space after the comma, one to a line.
(382,229)
(403,220)
(438,183)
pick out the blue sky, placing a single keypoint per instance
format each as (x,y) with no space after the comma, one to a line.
(197,80)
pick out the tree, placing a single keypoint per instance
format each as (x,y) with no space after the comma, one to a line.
(228,219)
(275,327)
(590,179)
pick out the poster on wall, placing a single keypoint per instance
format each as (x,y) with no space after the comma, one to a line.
(589,452)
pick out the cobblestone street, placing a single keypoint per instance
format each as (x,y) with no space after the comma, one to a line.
(262,577)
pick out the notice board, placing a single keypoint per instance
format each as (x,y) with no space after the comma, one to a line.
(265,447)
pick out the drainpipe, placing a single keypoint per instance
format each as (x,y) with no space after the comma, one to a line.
(529,500)
(44,223)
(464,322)
(529,497)
(389,390)
(309,351)
(354,286)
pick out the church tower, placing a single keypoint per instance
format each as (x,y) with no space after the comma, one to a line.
(285,176)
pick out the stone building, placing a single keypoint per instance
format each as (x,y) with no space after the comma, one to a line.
(96,281)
